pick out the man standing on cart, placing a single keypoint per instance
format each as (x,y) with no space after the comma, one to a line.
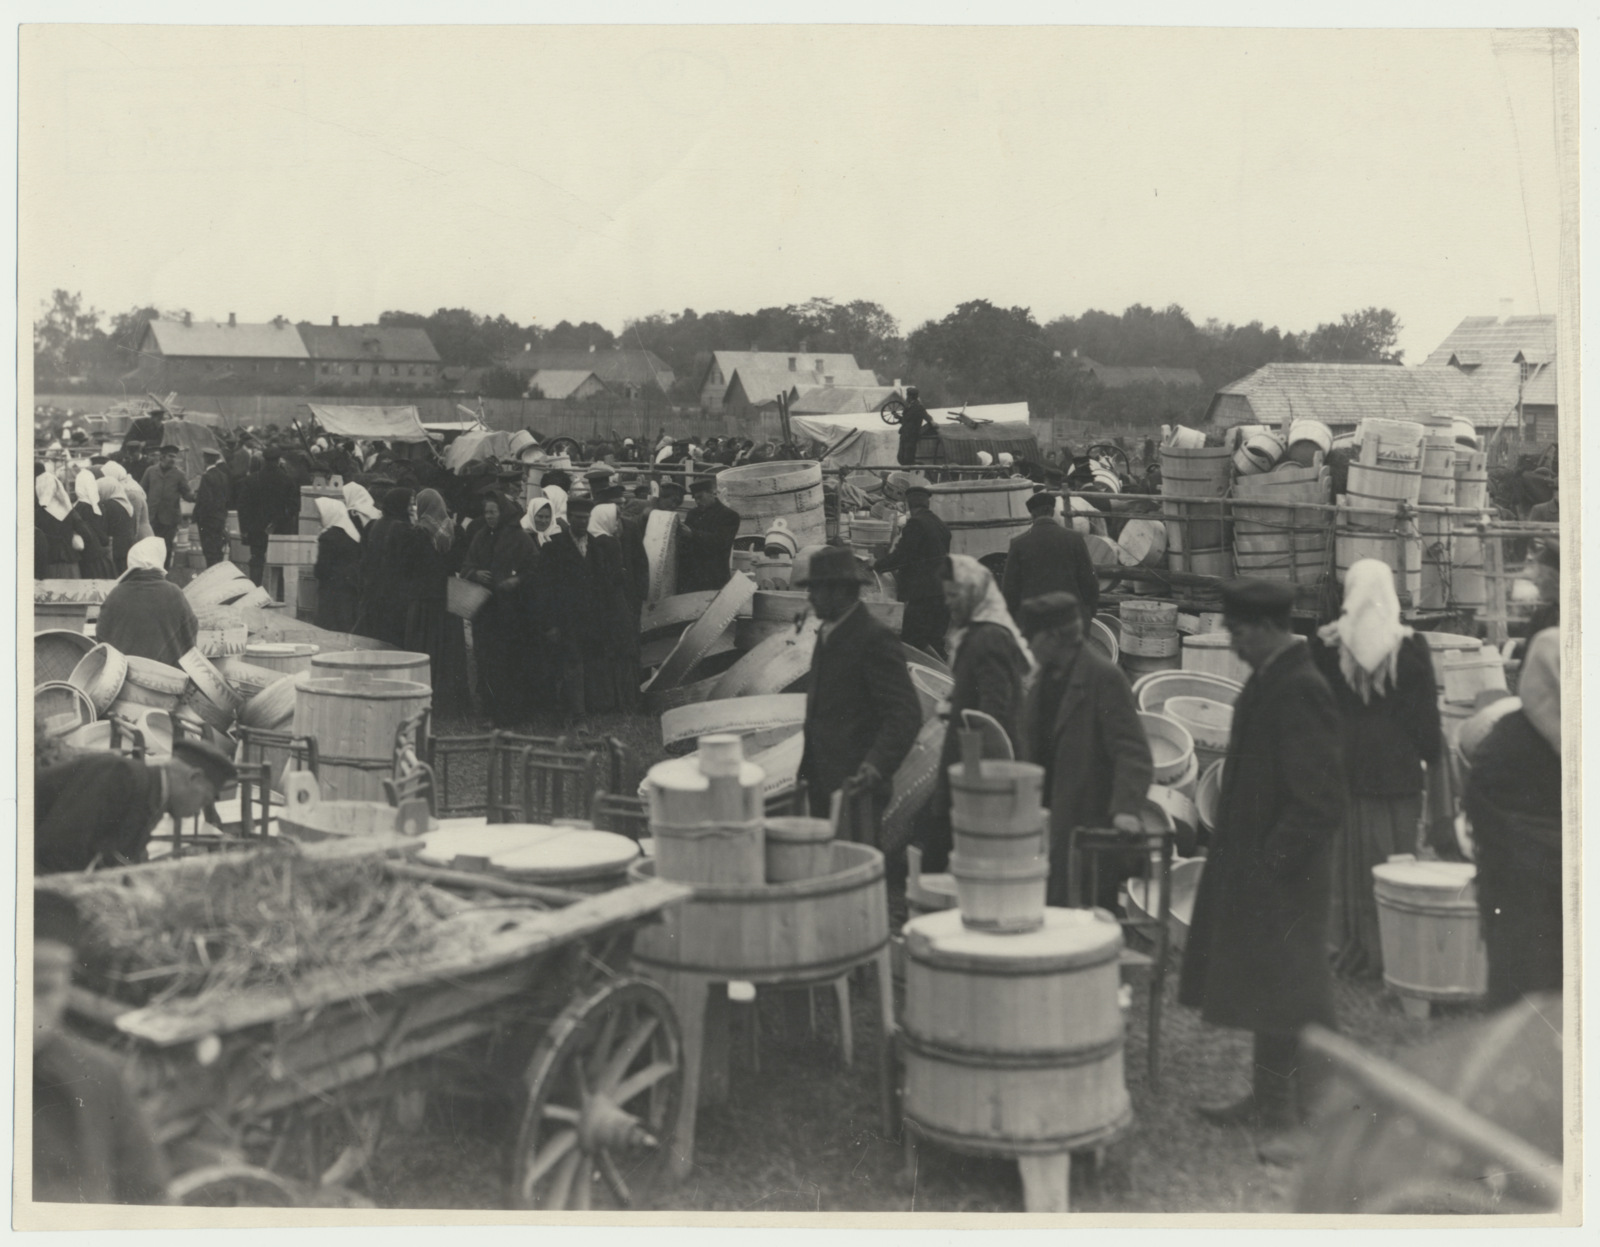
(914,418)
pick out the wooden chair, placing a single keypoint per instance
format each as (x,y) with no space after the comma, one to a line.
(627,816)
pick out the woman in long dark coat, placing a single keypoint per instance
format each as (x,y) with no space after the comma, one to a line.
(382,615)
(433,552)
(1381,674)
(338,569)
(587,620)
(989,661)
(118,513)
(96,561)
(1513,801)
(64,534)
(501,558)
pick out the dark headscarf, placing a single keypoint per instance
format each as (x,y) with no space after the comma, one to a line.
(397,504)
(510,512)
(434,519)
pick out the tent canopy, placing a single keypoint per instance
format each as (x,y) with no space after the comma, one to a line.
(479,444)
(383,424)
(863,437)
(190,438)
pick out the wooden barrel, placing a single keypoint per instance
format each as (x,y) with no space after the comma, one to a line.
(1400,548)
(288,657)
(706,815)
(1260,452)
(291,551)
(384,664)
(789,490)
(1472,478)
(997,795)
(810,928)
(983,516)
(1278,541)
(1013,1043)
(1143,543)
(1438,475)
(353,719)
(1149,629)
(1194,527)
(1212,652)
(1469,586)
(1397,442)
(1428,925)
(1171,748)
(1380,487)
(798,848)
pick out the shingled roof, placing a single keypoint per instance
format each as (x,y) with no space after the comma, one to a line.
(767,373)
(213,340)
(389,343)
(1489,340)
(615,367)
(1341,395)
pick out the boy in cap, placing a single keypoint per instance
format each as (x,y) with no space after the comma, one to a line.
(705,539)
(862,711)
(1256,958)
(915,560)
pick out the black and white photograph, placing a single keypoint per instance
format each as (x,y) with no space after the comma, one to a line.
(751,621)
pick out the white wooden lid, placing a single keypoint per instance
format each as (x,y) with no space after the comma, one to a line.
(1068,938)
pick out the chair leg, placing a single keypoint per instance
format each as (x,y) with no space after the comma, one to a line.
(841,990)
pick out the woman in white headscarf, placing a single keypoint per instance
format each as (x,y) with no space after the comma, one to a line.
(96,563)
(1513,801)
(146,615)
(363,510)
(338,568)
(118,513)
(60,535)
(990,662)
(137,502)
(546,516)
(1382,679)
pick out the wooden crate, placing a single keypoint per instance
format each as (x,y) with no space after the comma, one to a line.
(291,551)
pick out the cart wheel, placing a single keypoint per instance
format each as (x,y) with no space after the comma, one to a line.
(232,1186)
(562,446)
(604,1092)
(892,412)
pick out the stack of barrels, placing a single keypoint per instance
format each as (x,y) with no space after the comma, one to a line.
(764,492)
(999,860)
(1194,481)
(1438,490)
(1281,542)
(1371,523)
(706,816)
(1148,637)
(1468,588)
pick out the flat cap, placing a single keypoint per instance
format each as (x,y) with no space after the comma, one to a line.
(1050,610)
(215,764)
(169,449)
(673,484)
(578,504)
(701,484)
(1256,599)
(827,563)
(1042,502)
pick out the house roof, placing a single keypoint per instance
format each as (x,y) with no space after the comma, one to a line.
(614,368)
(827,400)
(1540,388)
(841,367)
(560,382)
(209,338)
(1341,395)
(402,344)
(1496,341)
(1118,376)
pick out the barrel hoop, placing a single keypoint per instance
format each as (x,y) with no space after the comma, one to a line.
(1005,521)
(1015,969)
(1432,993)
(973,1145)
(995,1058)
(704,831)
(1461,908)
(774,493)
(708,895)
(789,972)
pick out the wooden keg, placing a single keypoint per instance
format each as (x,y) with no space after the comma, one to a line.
(1282,541)
(706,815)
(1001,895)
(353,719)
(789,490)
(1013,1044)
(377,664)
(1149,629)
(1381,488)
(1429,927)
(1194,527)
(983,516)
(1400,548)
(809,928)
(289,657)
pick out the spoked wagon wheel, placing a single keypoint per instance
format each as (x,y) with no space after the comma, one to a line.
(892,412)
(562,446)
(604,1093)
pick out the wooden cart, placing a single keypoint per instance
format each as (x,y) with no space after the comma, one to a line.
(542,1012)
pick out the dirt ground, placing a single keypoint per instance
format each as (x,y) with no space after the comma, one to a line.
(800,1133)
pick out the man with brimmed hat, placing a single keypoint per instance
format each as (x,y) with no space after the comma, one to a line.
(1049,557)
(269,502)
(100,808)
(1256,958)
(166,489)
(705,539)
(1080,722)
(862,712)
(915,560)
(211,507)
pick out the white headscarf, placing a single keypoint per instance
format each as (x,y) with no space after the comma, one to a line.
(334,514)
(1369,631)
(984,458)
(149,555)
(604,520)
(115,470)
(113,490)
(359,502)
(87,489)
(985,604)
(52,495)
(141,508)
(555,498)
(1005,459)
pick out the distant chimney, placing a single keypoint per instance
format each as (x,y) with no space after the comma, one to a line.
(335,322)
(591,348)
(896,383)
(188,317)
(1506,307)
(233,320)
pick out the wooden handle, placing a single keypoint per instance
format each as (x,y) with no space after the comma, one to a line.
(972,753)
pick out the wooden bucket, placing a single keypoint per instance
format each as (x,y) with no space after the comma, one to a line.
(810,928)
(1171,748)
(387,664)
(983,516)
(1149,629)
(763,492)
(1001,895)
(1438,475)
(353,720)
(1013,1043)
(706,816)
(1380,487)
(1429,928)
(1212,652)
(100,674)
(1472,479)
(285,657)
(1203,472)
(798,848)
(1002,844)
(996,795)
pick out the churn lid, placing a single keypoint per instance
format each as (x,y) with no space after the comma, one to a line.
(1069,939)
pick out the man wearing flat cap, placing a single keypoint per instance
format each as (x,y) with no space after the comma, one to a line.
(1049,557)
(167,489)
(211,507)
(1080,723)
(916,559)
(705,539)
(862,712)
(1256,958)
(100,808)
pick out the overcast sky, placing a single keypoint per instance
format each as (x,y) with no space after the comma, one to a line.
(607,173)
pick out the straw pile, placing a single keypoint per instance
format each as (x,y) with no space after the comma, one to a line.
(240,922)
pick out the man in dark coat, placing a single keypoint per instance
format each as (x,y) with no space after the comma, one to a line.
(1049,557)
(1080,723)
(914,418)
(166,489)
(211,508)
(862,711)
(269,503)
(705,541)
(1256,958)
(588,618)
(916,560)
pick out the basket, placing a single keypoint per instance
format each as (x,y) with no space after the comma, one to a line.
(62,708)
(152,683)
(57,653)
(99,675)
(211,683)
(464,599)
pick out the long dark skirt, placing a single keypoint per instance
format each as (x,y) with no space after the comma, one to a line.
(434,631)
(337,606)
(1374,829)
(498,644)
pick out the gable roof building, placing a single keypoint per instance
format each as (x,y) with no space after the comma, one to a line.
(188,351)
(832,400)
(566,382)
(389,353)
(623,371)
(766,374)
(1507,352)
